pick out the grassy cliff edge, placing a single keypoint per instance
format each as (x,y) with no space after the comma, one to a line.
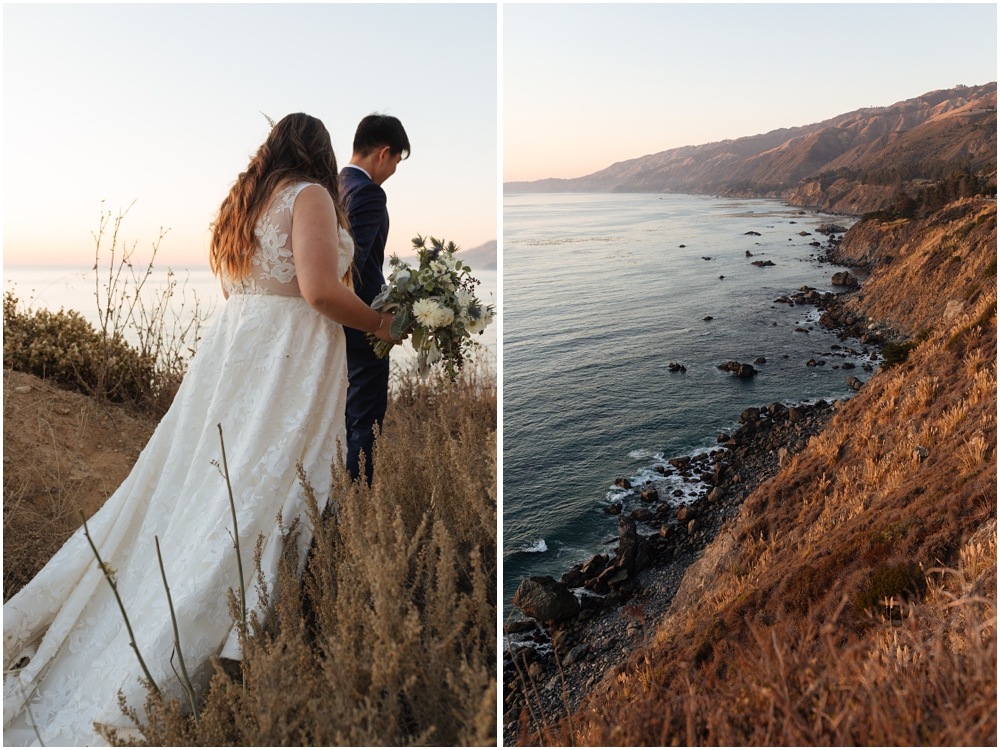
(853,599)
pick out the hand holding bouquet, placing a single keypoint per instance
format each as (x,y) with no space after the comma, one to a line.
(436,303)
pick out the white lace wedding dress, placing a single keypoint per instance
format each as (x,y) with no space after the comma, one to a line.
(273,372)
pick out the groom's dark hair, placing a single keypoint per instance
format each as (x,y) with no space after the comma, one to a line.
(377,131)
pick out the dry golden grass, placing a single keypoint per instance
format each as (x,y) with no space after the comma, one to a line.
(389,637)
(922,673)
(856,601)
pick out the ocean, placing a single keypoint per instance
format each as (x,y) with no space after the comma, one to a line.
(73,288)
(601,294)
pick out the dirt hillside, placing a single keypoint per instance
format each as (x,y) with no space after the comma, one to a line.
(62,453)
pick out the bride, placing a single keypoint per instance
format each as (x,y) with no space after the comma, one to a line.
(272,370)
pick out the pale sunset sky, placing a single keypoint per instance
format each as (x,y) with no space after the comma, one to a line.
(585,86)
(162,103)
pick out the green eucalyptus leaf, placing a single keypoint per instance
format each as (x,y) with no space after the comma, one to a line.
(402,321)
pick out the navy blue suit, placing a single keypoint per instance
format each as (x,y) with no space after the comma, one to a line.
(367,374)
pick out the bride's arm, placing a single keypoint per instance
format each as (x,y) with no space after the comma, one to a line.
(314,242)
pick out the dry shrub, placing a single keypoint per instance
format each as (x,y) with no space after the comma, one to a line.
(163,324)
(64,348)
(389,636)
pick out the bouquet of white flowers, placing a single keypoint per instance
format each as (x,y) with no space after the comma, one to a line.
(436,303)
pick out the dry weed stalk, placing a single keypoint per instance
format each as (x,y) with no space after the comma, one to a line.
(973,453)
(109,576)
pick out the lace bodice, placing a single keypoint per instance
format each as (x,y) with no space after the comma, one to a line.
(273,269)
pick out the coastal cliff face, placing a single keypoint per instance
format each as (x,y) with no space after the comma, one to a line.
(858,585)
(928,271)
(847,164)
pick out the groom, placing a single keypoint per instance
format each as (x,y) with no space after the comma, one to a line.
(380,143)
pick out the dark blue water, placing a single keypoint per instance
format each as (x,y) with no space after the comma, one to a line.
(598,299)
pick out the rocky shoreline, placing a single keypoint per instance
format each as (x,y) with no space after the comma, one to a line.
(554,658)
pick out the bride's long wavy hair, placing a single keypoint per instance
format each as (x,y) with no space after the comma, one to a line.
(298,148)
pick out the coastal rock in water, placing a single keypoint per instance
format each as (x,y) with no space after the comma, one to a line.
(739,369)
(752,233)
(520,626)
(749,415)
(722,438)
(762,263)
(804,234)
(593,567)
(617,578)
(614,509)
(705,257)
(676,367)
(749,254)
(545,599)
(844,278)
(573,577)
(623,483)
(643,556)
(795,414)
(628,543)
(684,514)
(848,366)
(830,228)
(650,495)
(760,361)
(708,317)
(854,383)
(716,495)
(642,515)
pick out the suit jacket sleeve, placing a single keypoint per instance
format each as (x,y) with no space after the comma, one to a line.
(366,213)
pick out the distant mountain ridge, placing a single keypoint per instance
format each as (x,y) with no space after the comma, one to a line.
(480,258)
(880,147)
